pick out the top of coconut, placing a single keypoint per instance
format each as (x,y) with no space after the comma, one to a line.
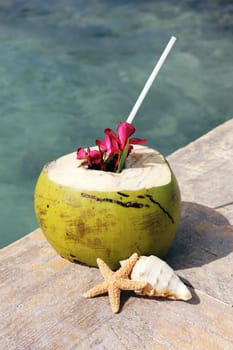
(145,168)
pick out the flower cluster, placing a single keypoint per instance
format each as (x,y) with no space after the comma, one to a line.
(112,151)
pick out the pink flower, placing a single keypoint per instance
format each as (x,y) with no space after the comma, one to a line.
(125,130)
(113,150)
(81,153)
(102,145)
(111,142)
(94,157)
(91,158)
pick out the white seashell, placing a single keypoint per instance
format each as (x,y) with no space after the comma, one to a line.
(161,278)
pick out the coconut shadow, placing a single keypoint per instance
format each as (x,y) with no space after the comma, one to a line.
(202,251)
(204,235)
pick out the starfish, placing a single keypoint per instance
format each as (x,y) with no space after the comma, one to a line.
(114,282)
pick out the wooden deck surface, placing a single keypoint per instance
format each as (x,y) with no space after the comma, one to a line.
(41,302)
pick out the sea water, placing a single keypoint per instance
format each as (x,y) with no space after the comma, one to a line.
(70,68)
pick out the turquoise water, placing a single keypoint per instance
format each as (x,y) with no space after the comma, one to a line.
(68,69)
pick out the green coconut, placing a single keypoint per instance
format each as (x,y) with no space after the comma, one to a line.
(85,214)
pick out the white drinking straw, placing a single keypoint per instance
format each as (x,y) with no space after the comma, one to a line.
(151,79)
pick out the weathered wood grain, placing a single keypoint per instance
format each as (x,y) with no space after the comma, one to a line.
(203,249)
(42,308)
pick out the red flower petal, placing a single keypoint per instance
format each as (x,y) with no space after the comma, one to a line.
(111,145)
(125,130)
(110,133)
(136,141)
(101,145)
(81,153)
(94,157)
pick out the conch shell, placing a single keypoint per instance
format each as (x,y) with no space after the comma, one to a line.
(160,277)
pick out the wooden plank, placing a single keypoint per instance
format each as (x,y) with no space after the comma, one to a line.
(202,252)
(204,169)
(42,308)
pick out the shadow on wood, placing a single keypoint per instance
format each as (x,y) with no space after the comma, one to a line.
(204,235)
